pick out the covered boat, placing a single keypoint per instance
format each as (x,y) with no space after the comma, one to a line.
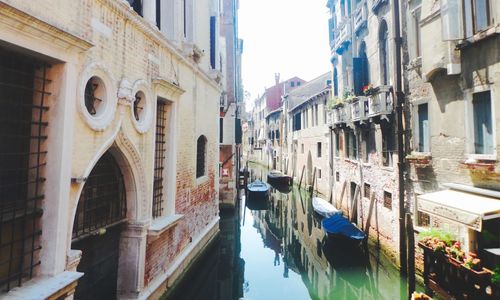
(324,208)
(339,226)
(257,189)
(276,177)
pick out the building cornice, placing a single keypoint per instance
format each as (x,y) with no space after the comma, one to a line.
(19,20)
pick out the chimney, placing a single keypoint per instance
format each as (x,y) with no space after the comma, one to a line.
(277,78)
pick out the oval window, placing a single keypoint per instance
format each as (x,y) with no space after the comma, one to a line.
(95,96)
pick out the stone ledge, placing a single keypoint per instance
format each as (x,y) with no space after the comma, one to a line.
(160,225)
(61,285)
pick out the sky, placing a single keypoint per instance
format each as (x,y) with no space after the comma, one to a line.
(289,37)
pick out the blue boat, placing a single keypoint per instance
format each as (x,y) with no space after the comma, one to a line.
(338,225)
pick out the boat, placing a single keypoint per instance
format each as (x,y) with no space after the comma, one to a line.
(257,189)
(276,177)
(256,203)
(338,226)
(324,208)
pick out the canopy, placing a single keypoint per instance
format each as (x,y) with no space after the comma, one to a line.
(337,224)
(461,207)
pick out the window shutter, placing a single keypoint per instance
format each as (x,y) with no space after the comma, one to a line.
(357,73)
(451,19)
(212,41)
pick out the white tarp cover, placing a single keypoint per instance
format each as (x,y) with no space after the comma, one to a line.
(461,207)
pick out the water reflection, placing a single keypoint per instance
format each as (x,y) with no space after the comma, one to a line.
(282,253)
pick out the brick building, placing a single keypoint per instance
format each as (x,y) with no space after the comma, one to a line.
(109,146)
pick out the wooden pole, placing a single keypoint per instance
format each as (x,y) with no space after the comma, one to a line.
(354,204)
(410,235)
(314,179)
(302,176)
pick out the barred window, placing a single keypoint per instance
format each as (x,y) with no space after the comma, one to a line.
(159,159)
(24,87)
(201,152)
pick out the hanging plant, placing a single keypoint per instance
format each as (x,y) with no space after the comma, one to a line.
(369,90)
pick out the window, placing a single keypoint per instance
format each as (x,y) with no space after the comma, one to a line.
(384,53)
(337,144)
(161,124)
(366,190)
(136,6)
(337,176)
(94,96)
(292,83)
(360,70)
(158,14)
(335,82)
(463,19)
(347,143)
(368,144)
(297,120)
(23,161)
(483,131)
(319,173)
(139,103)
(387,200)
(387,143)
(213,39)
(319,149)
(423,219)
(423,128)
(316,114)
(221,130)
(351,143)
(414,40)
(301,148)
(477,16)
(201,153)
(298,83)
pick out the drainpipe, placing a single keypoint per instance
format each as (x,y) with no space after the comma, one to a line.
(401,151)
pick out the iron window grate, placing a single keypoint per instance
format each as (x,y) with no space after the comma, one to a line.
(161,121)
(200,156)
(102,202)
(23,125)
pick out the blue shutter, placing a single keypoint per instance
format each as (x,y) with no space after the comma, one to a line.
(212,41)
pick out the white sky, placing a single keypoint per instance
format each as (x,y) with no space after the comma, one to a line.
(289,37)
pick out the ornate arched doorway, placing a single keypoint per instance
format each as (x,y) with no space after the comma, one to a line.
(97,226)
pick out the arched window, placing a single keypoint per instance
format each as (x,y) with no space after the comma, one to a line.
(201,153)
(383,42)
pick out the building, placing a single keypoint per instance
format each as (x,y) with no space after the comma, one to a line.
(109,147)
(230,111)
(362,117)
(453,85)
(308,134)
(267,121)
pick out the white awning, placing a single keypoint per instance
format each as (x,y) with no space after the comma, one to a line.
(460,207)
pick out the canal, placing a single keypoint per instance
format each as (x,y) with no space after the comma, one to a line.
(281,252)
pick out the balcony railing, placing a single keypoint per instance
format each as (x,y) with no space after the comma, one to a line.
(341,114)
(381,102)
(342,35)
(360,17)
(359,109)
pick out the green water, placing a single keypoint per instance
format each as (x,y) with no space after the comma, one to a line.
(282,253)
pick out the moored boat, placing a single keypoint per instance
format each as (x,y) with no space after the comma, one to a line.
(324,208)
(257,189)
(276,177)
(339,226)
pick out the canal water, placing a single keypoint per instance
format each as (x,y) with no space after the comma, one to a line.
(281,252)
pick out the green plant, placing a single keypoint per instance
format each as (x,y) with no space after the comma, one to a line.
(334,101)
(495,278)
(446,237)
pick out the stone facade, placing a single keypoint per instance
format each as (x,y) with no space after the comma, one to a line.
(363,137)
(129,54)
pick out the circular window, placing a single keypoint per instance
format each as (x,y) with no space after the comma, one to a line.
(95,96)
(139,106)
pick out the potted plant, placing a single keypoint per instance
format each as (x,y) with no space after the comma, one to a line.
(369,90)
(495,282)
(349,96)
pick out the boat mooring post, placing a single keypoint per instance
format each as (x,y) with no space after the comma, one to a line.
(314,179)
(302,176)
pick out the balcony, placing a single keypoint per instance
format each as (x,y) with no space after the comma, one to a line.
(341,114)
(360,16)
(342,36)
(380,103)
(359,109)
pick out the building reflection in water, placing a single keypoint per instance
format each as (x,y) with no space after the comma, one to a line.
(288,257)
